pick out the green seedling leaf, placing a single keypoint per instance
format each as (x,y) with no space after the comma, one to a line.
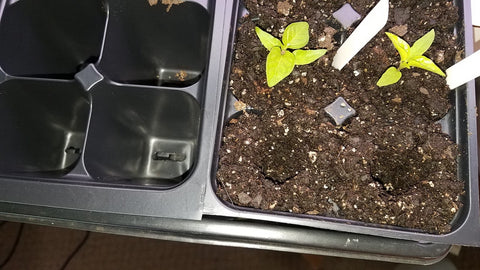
(427,64)
(280,64)
(390,76)
(304,57)
(401,45)
(422,44)
(410,57)
(280,61)
(267,40)
(295,35)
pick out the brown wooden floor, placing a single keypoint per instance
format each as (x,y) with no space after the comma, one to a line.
(42,247)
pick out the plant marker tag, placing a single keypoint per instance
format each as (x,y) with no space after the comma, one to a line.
(463,71)
(365,31)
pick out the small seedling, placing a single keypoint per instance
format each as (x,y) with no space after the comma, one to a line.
(410,57)
(281,61)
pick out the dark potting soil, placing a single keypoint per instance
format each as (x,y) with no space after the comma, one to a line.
(389,164)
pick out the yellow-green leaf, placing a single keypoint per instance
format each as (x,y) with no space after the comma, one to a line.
(295,35)
(390,76)
(267,40)
(425,63)
(401,45)
(280,64)
(304,57)
(422,44)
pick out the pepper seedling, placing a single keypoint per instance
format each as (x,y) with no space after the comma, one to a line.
(410,57)
(281,61)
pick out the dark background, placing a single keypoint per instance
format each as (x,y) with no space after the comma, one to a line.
(44,247)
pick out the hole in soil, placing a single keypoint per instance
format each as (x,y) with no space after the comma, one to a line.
(378,180)
(273,179)
(340,37)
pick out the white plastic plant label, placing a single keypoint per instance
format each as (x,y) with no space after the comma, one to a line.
(476,12)
(463,71)
(365,31)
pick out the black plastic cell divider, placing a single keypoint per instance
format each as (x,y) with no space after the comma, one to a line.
(73,68)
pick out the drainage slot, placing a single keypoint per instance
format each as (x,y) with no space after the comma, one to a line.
(169,156)
(73,150)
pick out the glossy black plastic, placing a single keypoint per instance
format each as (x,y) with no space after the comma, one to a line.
(43,126)
(111,114)
(51,39)
(460,124)
(73,93)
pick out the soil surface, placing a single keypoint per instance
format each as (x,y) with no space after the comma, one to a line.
(389,164)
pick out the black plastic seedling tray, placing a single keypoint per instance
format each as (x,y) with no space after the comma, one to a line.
(460,124)
(103,103)
(111,114)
